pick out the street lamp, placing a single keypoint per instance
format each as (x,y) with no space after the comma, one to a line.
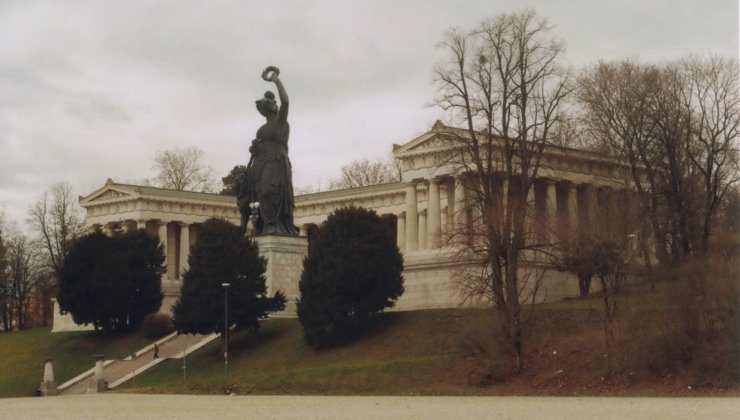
(226,328)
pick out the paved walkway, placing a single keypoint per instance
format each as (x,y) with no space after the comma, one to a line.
(120,371)
(129,406)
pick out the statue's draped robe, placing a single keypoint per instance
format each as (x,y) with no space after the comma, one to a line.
(269,181)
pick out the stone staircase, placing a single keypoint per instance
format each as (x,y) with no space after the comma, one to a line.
(117,372)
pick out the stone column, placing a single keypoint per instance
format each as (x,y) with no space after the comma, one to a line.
(162,234)
(303,230)
(573,209)
(184,248)
(434,216)
(412,233)
(423,229)
(459,208)
(444,227)
(589,204)
(172,252)
(450,193)
(551,209)
(401,231)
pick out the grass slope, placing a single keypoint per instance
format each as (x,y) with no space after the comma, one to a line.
(443,352)
(22,355)
(402,353)
(435,352)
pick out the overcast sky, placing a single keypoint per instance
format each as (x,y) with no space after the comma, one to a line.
(93,89)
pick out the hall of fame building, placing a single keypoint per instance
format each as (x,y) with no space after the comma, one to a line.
(426,205)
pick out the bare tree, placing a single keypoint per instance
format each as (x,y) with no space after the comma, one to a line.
(23,272)
(5,302)
(502,84)
(183,169)
(713,94)
(676,127)
(309,188)
(362,173)
(57,220)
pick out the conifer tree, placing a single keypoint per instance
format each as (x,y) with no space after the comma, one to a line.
(223,254)
(353,270)
(112,282)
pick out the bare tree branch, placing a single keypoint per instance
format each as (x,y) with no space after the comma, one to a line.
(183,169)
(501,83)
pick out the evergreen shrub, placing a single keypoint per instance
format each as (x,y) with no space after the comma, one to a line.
(352,271)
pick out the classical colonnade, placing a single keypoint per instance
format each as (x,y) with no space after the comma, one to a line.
(175,236)
(556,208)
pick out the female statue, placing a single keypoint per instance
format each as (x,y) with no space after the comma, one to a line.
(269,179)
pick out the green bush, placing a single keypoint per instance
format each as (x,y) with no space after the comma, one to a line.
(156,325)
(353,270)
(112,282)
(223,254)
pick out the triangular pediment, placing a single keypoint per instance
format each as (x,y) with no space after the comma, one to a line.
(435,139)
(109,192)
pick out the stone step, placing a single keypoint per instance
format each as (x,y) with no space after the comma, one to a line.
(117,372)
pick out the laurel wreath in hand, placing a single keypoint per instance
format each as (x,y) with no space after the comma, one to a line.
(270,73)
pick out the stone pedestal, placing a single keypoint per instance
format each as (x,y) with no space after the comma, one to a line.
(98,383)
(284,255)
(48,386)
(171,291)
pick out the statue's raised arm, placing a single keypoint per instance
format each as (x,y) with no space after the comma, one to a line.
(271,74)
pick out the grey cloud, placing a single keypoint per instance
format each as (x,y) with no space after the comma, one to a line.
(91,89)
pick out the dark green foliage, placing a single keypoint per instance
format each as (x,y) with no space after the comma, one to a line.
(352,271)
(223,254)
(230,181)
(156,326)
(112,282)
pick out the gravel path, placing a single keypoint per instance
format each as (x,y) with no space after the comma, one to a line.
(130,406)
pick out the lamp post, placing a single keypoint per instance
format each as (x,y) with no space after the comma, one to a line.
(254,215)
(226,328)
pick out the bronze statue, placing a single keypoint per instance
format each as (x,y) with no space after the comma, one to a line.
(269,179)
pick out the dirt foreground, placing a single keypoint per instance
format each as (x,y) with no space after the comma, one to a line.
(131,406)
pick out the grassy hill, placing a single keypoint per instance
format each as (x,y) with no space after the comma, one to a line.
(402,353)
(22,355)
(434,352)
(454,352)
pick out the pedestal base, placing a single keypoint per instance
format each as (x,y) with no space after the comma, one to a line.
(48,388)
(96,386)
(284,255)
